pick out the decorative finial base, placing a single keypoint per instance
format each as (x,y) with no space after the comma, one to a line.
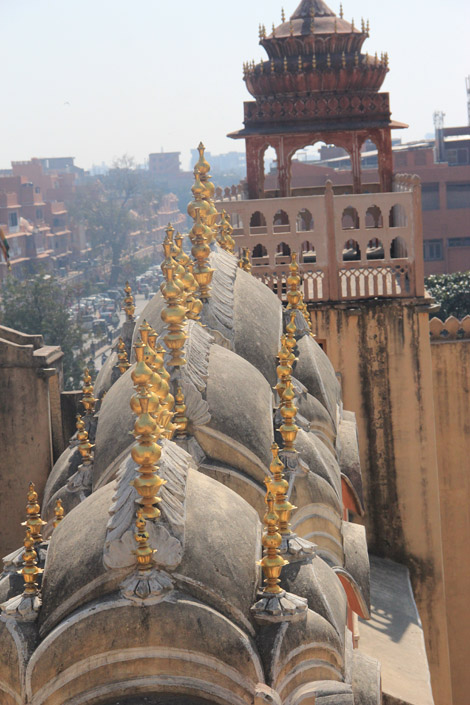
(146,587)
(23,608)
(280,607)
(294,548)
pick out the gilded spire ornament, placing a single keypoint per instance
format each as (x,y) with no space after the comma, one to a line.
(291,342)
(33,522)
(25,607)
(59,512)
(244,262)
(145,452)
(174,314)
(293,548)
(225,230)
(129,306)
(84,445)
(294,295)
(289,429)
(283,15)
(341,13)
(180,421)
(275,604)
(200,236)
(88,400)
(123,363)
(143,552)
(283,370)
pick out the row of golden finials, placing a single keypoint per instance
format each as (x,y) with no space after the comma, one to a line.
(161,415)
(365,26)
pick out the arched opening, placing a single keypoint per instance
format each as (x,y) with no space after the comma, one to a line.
(397,218)
(236,221)
(351,251)
(312,165)
(281,222)
(350,219)
(398,249)
(375,249)
(374,217)
(304,221)
(282,253)
(271,171)
(308,252)
(257,223)
(259,255)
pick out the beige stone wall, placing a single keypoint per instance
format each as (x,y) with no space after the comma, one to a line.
(382,352)
(451,383)
(28,425)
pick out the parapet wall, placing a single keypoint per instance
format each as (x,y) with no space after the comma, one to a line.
(450,350)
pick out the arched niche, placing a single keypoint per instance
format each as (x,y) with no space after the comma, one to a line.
(270,169)
(350,219)
(351,251)
(236,220)
(259,252)
(375,249)
(397,216)
(308,253)
(257,223)
(283,250)
(374,217)
(398,249)
(281,222)
(311,163)
(304,221)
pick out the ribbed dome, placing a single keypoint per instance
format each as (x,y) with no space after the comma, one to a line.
(314,51)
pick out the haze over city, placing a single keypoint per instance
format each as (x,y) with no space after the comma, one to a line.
(98,79)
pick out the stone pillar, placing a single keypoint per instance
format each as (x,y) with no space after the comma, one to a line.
(283,165)
(28,420)
(255,166)
(385,158)
(333,280)
(355,154)
(382,351)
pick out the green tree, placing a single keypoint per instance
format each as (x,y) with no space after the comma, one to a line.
(115,205)
(452,292)
(41,305)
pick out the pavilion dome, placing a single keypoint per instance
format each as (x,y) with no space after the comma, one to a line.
(313,51)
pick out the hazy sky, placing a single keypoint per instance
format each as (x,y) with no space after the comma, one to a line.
(96,79)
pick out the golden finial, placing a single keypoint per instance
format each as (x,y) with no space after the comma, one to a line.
(30,570)
(363,25)
(341,13)
(343,60)
(88,400)
(226,240)
(174,313)
(367,27)
(328,60)
(288,430)
(291,330)
(129,306)
(274,30)
(352,25)
(285,63)
(244,261)
(283,15)
(193,304)
(146,452)
(272,562)
(283,370)
(179,418)
(59,513)
(200,236)
(278,486)
(123,363)
(33,522)
(143,552)
(376,59)
(294,295)
(299,63)
(291,28)
(314,62)
(198,189)
(84,445)
(260,32)
(386,59)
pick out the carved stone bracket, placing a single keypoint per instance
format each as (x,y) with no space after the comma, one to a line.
(146,587)
(281,607)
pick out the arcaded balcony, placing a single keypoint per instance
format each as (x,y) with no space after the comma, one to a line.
(350,246)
